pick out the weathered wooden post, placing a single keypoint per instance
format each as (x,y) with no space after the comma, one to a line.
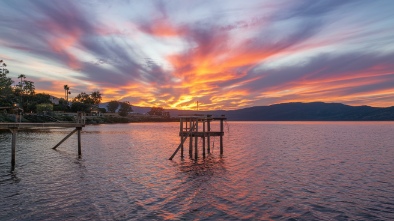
(183,140)
(221,136)
(81,118)
(209,134)
(14,127)
(203,138)
(191,141)
(181,133)
(194,133)
(196,141)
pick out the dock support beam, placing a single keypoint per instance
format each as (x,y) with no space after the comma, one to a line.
(183,140)
(78,129)
(15,127)
(193,133)
(64,139)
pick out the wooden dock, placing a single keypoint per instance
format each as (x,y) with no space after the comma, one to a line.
(189,128)
(14,127)
(38,125)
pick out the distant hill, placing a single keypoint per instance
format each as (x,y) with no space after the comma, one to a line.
(315,111)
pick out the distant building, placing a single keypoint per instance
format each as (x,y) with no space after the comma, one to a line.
(54,99)
(95,112)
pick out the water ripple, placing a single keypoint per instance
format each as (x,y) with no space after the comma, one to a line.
(269,171)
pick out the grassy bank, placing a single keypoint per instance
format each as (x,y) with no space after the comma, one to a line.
(89,119)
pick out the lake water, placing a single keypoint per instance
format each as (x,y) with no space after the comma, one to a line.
(269,170)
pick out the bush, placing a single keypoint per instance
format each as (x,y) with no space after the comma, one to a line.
(41,108)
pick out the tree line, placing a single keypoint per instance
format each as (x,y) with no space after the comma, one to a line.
(123,107)
(23,95)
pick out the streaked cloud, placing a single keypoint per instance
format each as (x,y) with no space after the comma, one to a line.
(225,55)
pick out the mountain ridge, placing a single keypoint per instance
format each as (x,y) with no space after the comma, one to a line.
(296,111)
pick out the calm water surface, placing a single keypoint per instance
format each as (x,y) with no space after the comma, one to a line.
(270,170)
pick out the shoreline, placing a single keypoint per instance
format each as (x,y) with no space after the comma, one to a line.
(95,120)
(32,118)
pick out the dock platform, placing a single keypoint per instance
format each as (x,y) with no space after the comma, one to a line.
(15,127)
(189,128)
(38,125)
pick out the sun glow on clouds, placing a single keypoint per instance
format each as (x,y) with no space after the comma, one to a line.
(224,55)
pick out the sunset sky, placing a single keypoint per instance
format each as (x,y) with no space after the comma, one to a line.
(224,54)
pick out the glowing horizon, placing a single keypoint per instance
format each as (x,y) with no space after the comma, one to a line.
(223,55)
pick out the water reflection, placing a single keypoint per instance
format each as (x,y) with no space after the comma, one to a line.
(10,178)
(198,193)
(207,166)
(285,171)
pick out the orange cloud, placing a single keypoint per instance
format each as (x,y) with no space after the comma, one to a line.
(216,66)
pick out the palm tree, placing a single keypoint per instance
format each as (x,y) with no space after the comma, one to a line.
(20,77)
(65,90)
(66,93)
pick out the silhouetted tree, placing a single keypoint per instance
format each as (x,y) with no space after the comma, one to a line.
(112,106)
(156,111)
(6,93)
(61,106)
(45,107)
(125,108)
(21,76)
(31,101)
(28,88)
(66,91)
(83,98)
(93,98)
(79,106)
(96,97)
(85,102)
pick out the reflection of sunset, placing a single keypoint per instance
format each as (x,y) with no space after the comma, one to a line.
(223,56)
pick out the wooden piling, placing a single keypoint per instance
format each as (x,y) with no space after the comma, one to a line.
(195,133)
(183,140)
(14,127)
(203,139)
(196,142)
(221,136)
(209,135)
(181,130)
(190,141)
